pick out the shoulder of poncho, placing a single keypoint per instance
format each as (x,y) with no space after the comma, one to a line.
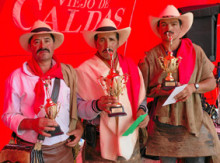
(197,46)
(69,73)
(152,54)
(67,68)
(153,50)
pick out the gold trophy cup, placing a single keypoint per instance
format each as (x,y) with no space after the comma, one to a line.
(51,110)
(169,64)
(114,84)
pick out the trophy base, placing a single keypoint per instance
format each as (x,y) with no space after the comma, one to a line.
(168,85)
(56,132)
(116,111)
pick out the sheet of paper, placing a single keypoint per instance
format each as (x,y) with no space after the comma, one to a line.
(170,99)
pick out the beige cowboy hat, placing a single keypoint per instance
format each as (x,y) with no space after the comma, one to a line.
(38,28)
(106,26)
(171,12)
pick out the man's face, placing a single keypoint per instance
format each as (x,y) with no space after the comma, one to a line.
(105,41)
(42,47)
(172,26)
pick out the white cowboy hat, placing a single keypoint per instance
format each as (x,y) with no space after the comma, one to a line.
(40,27)
(106,26)
(171,12)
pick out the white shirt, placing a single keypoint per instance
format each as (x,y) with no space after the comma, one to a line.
(19,100)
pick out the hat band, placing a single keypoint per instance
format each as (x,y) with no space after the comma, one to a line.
(41,29)
(107,28)
(168,16)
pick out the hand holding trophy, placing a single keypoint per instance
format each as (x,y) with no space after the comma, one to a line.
(51,109)
(114,84)
(169,64)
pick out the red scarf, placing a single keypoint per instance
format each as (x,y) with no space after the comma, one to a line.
(54,72)
(187,64)
(133,84)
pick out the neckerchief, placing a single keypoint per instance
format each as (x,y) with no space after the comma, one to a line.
(54,72)
(187,64)
(133,83)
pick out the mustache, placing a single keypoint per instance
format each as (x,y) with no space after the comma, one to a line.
(168,32)
(107,50)
(43,49)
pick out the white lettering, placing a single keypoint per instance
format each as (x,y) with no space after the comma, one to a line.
(69,4)
(40,4)
(108,15)
(83,6)
(16,14)
(117,17)
(70,20)
(53,14)
(103,4)
(89,22)
(61,2)
(76,4)
(91,15)
(90,4)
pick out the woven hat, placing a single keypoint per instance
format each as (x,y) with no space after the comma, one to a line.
(171,12)
(106,26)
(38,28)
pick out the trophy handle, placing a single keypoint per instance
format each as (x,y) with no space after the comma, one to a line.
(58,107)
(43,108)
(124,80)
(161,61)
(102,83)
(179,60)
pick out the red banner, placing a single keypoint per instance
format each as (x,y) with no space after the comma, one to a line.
(67,16)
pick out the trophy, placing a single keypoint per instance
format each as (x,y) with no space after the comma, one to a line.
(169,64)
(113,85)
(51,109)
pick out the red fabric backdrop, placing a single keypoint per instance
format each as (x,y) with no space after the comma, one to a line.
(71,17)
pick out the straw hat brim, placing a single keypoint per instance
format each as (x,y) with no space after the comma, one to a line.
(123,36)
(187,20)
(24,39)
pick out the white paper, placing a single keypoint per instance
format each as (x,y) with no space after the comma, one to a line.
(170,99)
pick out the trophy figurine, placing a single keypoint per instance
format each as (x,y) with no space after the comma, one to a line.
(169,64)
(51,109)
(114,84)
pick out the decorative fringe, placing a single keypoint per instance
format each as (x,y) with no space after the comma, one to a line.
(37,146)
(36,154)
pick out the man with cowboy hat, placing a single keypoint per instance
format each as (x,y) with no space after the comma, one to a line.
(26,94)
(93,103)
(182,129)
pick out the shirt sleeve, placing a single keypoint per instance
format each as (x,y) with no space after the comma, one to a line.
(12,115)
(143,106)
(87,110)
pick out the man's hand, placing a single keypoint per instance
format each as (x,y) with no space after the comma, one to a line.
(185,93)
(105,102)
(77,133)
(144,123)
(40,125)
